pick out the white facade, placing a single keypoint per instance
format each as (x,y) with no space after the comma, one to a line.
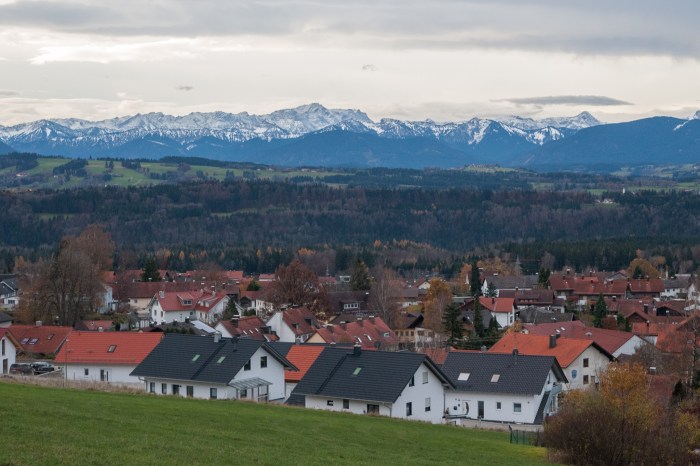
(109,373)
(630,347)
(279,326)
(422,400)
(504,319)
(8,355)
(586,369)
(273,373)
(209,316)
(497,407)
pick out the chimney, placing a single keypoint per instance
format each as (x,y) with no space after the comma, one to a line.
(356,350)
(162,294)
(515,351)
(217,337)
(359,321)
(234,342)
(552,341)
(100,329)
(38,323)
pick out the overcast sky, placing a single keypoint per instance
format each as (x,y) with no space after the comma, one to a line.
(408,59)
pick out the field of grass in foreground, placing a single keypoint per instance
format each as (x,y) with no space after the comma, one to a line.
(59,426)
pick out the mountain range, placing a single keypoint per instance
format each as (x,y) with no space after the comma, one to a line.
(312,135)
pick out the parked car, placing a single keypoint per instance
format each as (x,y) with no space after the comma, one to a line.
(21,369)
(42,367)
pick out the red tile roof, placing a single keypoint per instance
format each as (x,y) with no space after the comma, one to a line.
(647,286)
(301,320)
(303,357)
(4,332)
(367,333)
(590,286)
(94,325)
(134,290)
(610,340)
(43,339)
(201,301)
(94,347)
(497,304)
(566,350)
(251,327)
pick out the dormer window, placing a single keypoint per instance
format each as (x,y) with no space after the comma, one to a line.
(186,302)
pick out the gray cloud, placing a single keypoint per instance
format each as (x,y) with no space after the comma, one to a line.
(593,100)
(598,27)
(184,88)
(6,93)
(369,67)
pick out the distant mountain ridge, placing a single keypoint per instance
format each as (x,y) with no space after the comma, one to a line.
(315,135)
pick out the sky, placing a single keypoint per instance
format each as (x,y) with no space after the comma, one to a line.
(445,60)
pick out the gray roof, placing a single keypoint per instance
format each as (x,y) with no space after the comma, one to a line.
(522,375)
(535,315)
(511,282)
(382,375)
(176,358)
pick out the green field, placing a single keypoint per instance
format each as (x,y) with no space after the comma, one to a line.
(59,426)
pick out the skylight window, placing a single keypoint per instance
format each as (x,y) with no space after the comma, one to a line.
(33,341)
(463,376)
(195,357)
(25,341)
(495,377)
(221,359)
(111,348)
(50,336)
(356,372)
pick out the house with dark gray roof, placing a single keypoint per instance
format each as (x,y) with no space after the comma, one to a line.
(504,388)
(214,368)
(394,384)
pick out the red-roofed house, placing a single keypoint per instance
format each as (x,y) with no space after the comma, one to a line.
(251,327)
(589,289)
(205,306)
(372,333)
(501,309)
(613,341)
(294,323)
(8,351)
(105,356)
(582,360)
(646,288)
(303,357)
(39,341)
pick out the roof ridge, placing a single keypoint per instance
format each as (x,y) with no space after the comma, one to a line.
(332,372)
(205,363)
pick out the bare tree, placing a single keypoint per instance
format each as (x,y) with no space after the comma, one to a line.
(384,295)
(296,285)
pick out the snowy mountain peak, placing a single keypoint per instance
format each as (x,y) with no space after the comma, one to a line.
(696,116)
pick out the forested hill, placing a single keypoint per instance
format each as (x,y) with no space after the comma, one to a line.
(258,224)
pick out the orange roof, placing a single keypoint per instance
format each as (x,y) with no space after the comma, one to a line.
(303,357)
(497,304)
(203,301)
(94,347)
(251,326)
(611,340)
(42,339)
(370,333)
(566,350)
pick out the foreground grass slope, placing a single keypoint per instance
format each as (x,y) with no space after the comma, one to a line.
(57,426)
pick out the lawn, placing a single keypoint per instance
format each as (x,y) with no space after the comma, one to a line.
(61,426)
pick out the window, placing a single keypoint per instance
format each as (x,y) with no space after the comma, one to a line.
(247,366)
(585,362)
(3,347)
(262,393)
(495,377)
(498,405)
(86,372)
(372,409)
(220,360)
(24,341)
(33,341)
(176,389)
(346,404)
(213,393)
(585,379)
(164,389)
(412,382)
(409,409)
(244,393)
(263,362)
(152,387)
(425,377)
(329,402)
(517,408)
(111,348)
(195,357)
(356,372)
(427,405)
(50,336)
(463,376)
(190,391)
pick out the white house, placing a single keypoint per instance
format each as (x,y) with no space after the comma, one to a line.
(501,309)
(503,388)
(206,306)
(105,356)
(290,325)
(214,368)
(393,384)
(8,351)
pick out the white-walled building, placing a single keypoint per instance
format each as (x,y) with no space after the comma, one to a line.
(8,351)
(205,306)
(214,368)
(290,325)
(393,384)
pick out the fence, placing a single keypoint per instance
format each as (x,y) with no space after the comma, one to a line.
(523,437)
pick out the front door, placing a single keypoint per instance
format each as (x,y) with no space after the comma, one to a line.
(481,409)
(104,375)
(4,366)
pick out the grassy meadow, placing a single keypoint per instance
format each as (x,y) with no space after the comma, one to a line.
(56,426)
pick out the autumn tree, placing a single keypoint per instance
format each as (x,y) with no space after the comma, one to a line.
(384,295)
(69,286)
(642,268)
(436,300)
(296,285)
(360,279)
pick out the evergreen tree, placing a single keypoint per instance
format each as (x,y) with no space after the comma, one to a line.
(253,286)
(493,328)
(475,281)
(360,278)
(543,277)
(452,323)
(150,271)
(478,319)
(600,311)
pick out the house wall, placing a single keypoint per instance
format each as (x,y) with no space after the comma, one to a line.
(115,373)
(575,372)
(273,373)
(284,332)
(8,355)
(630,347)
(504,319)
(416,395)
(200,390)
